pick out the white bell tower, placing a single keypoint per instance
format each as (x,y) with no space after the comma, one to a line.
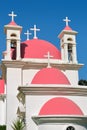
(12,31)
(68,44)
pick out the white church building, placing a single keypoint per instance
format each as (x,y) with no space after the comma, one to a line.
(40,82)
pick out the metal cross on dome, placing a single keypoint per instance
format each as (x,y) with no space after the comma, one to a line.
(12,15)
(28,34)
(48,56)
(66,20)
(35,30)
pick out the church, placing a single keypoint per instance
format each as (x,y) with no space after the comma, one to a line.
(39,83)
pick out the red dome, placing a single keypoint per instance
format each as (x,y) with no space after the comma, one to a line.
(60,106)
(37,48)
(50,76)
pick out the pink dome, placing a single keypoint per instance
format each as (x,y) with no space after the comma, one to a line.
(67,28)
(60,106)
(1,86)
(12,23)
(37,48)
(50,76)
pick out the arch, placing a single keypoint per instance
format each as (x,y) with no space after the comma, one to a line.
(70,128)
(13,35)
(69,39)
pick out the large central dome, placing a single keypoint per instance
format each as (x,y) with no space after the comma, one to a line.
(37,48)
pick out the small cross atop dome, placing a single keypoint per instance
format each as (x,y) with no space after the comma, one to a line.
(28,34)
(48,56)
(66,20)
(12,15)
(35,30)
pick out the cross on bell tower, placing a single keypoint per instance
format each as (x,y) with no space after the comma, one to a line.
(66,20)
(12,15)
(48,56)
(35,30)
(28,34)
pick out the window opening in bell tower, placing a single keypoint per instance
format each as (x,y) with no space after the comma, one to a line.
(70,52)
(13,48)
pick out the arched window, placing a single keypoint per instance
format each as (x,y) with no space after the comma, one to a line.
(13,35)
(69,39)
(70,128)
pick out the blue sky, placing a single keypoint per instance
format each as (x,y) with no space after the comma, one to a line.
(48,15)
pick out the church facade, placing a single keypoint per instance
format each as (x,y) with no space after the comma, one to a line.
(39,82)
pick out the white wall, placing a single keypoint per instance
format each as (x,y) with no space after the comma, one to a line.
(9,32)
(34,104)
(2,112)
(28,75)
(59,126)
(13,81)
(72,76)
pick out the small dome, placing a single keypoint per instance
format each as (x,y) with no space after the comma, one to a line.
(67,28)
(37,48)
(50,76)
(12,23)
(60,106)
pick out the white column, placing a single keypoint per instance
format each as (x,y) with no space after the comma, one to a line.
(8,49)
(74,53)
(66,52)
(62,53)
(18,50)
(2,112)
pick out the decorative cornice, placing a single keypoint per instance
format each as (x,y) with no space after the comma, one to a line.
(60,119)
(13,27)
(67,32)
(53,90)
(40,63)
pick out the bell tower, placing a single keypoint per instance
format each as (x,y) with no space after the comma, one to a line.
(12,31)
(68,44)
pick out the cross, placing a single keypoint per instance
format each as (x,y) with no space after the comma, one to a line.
(12,15)
(67,21)
(28,34)
(35,30)
(48,56)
